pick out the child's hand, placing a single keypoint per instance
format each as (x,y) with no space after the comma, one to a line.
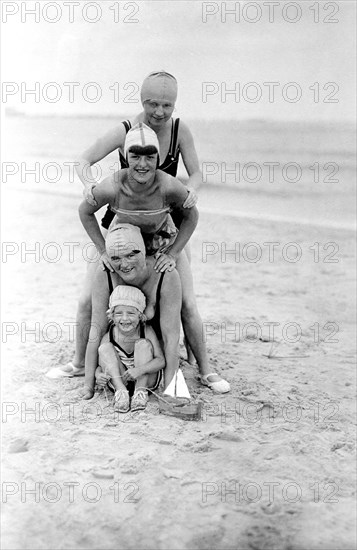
(88,194)
(102,379)
(191,200)
(104,258)
(131,375)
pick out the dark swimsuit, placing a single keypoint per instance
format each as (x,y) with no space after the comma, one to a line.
(169,166)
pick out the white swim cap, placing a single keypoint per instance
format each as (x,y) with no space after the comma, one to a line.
(123,237)
(143,136)
(127,296)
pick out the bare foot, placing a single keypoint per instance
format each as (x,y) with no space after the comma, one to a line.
(86,392)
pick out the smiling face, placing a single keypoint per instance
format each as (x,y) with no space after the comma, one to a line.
(158,97)
(126,318)
(128,264)
(158,111)
(142,167)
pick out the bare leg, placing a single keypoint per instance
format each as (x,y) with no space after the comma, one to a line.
(111,365)
(191,319)
(143,353)
(193,328)
(190,356)
(84,309)
(84,314)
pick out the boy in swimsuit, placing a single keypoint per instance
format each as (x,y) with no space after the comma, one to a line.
(139,357)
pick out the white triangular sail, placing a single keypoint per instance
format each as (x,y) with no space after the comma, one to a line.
(181,386)
(178,386)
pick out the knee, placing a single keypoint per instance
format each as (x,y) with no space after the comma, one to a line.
(143,352)
(104,349)
(143,344)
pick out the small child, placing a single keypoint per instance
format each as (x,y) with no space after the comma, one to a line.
(130,351)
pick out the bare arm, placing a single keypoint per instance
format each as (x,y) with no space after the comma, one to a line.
(100,149)
(176,195)
(190,160)
(187,227)
(104,194)
(170,316)
(99,325)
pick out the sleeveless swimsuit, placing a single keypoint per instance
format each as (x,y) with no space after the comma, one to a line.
(169,166)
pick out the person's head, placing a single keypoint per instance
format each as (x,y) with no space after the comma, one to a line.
(158,96)
(125,247)
(142,151)
(126,308)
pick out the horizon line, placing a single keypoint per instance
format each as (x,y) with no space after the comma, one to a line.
(14,113)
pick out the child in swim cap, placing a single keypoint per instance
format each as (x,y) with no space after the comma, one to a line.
(130,356)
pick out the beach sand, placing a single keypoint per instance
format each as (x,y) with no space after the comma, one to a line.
(269,466)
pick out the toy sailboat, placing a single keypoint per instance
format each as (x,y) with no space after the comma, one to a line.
(178,386)
(176,400)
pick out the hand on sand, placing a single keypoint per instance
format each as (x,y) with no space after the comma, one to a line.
(86,393)
(191,200)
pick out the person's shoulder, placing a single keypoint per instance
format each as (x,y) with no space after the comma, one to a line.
(118,177)
(135,119)
(183,130)
(169,185)
(166,182)
(162,176)
(118,133)
(111,184)
(185,137)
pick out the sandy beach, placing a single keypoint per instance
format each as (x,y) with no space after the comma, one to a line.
(270,466)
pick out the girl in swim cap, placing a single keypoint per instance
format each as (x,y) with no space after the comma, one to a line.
(138,358)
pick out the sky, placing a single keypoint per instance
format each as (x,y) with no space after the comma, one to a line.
(307,49)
